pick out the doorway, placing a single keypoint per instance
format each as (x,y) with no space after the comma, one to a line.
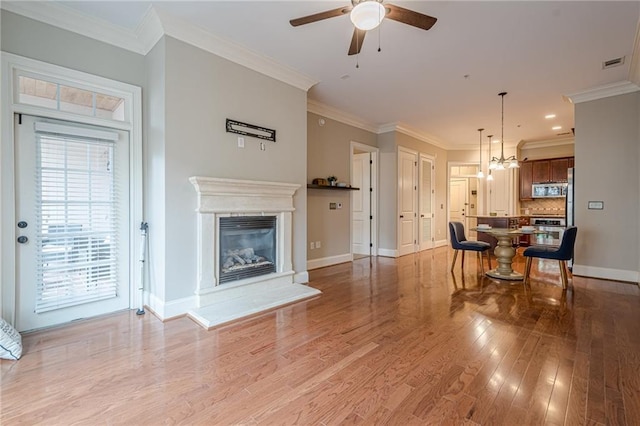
(364,202)
(73,252)
(464,196)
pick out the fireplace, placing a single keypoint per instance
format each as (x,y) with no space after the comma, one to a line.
(247,247)
(244,249)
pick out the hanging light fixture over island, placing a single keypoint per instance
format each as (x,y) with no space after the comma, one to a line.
(502,162)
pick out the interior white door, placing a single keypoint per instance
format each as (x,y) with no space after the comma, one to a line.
(458,201)
(408,203)
(361,203)
(72,207)
(426,202)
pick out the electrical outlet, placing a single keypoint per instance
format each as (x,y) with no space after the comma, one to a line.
(312,245)
(240,142)
(318,245)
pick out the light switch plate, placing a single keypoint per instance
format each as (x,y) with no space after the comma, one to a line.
(240,142)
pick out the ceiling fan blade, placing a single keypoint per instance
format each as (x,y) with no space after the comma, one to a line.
(356,41)
(320,16)
(409,17)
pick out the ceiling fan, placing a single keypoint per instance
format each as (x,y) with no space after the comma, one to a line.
(367,15)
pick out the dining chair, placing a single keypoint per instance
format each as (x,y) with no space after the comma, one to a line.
(459,242)
(561,253)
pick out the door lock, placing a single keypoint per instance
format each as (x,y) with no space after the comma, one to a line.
(22,239)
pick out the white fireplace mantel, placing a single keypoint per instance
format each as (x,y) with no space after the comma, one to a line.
(219,197)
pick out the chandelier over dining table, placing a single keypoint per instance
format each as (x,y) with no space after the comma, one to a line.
(502,162)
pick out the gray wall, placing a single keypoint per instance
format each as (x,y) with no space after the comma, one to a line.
(202,90)
(36,40)
(328,154)
(606,157)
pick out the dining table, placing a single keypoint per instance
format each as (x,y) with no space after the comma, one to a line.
(505,252)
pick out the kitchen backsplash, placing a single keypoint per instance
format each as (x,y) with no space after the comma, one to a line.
(546,206)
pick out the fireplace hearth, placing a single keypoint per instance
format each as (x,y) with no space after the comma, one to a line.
(244,249)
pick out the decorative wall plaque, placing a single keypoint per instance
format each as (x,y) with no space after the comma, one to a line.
(245,129)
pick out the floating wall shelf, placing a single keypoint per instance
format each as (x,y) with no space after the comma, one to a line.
(343,188)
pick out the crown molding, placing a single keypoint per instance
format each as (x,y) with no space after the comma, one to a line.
(69,19)
(234,52)
(421,136)
(547,143)
(154,25)
(605,91)
(341,116)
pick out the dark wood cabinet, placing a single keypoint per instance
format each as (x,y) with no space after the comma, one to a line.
(526,179)
(540,171)
(571,162)
(558,168)
(525,240)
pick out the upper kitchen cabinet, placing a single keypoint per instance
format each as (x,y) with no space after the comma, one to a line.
(558,168)
(526,180)
(540,171)
(554,170)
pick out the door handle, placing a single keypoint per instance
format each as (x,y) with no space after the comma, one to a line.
(22,239)
(22,224)
(421,215)
(401,216)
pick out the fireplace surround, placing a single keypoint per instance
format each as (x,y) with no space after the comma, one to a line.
(219,301)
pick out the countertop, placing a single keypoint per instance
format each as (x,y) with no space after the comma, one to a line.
(482,216)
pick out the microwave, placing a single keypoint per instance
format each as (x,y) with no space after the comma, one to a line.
(549,190)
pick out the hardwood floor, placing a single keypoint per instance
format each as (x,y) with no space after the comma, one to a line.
(390,341)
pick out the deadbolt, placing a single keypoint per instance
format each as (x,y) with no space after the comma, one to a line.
(22,239)
(22,224)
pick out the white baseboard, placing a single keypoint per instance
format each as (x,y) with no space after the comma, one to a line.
(440,243)
(328,261)
(175,308)
(387,252)
(605,273)
(301,277)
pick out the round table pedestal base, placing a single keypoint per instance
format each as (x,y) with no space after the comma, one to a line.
(512,276)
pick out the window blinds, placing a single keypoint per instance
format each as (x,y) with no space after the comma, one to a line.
(76,216)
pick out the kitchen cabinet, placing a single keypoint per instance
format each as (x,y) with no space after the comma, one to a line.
(524,240)
(558,169)
(545,171)
(540,171)
(526,180)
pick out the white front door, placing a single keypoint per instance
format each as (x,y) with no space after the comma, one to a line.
(458,201)
(361,203)
(72,210)
(426,202)
(408,205)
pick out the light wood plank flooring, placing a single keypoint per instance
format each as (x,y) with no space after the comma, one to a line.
(390,341)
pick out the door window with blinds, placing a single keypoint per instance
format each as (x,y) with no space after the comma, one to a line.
(73,199)
(76,218)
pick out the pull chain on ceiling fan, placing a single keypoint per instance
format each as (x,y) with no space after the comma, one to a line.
(367,14)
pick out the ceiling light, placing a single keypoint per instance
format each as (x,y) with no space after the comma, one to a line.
(556,128)
(500,163)
(480,174)
(550,116)
(367,14)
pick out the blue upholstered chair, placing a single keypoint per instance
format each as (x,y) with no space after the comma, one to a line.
(459,242)
(561,253)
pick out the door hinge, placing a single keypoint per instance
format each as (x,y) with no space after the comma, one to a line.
(433,215)
(19,119)
(370,161)
(370,217)
(370,244)
(370,189)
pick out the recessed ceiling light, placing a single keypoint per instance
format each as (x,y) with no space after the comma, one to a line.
(495,141)
(550,116)
(556,128)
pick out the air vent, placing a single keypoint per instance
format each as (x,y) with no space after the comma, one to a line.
(564,134)
(612,63)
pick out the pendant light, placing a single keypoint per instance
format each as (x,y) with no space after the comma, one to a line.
(490,176)
(480,174)
(501,163)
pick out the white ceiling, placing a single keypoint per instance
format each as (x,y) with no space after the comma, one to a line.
(442,83)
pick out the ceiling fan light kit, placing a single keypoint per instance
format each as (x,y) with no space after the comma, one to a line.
(367,14)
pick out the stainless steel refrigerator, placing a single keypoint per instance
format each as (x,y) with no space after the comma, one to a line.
(570,205)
